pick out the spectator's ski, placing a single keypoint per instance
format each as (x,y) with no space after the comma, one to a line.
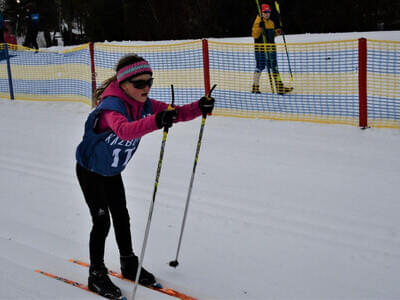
(157,288)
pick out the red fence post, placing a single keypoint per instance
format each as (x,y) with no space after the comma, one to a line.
(362,82)
(93,71)
(206,66)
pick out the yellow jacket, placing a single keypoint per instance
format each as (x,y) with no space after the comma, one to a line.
(271,32)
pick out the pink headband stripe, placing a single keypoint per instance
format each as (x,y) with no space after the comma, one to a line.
(133,70)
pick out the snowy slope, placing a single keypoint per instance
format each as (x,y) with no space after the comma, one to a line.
(279,210)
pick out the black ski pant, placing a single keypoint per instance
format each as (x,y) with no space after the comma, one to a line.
(2,36)
(31,39)
(105,195)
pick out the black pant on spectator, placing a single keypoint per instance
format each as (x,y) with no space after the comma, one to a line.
(31,39)
(2,36)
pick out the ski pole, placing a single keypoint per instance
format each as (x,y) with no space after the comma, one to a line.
(284,39)
(175,263)
(146,234)
(265,51)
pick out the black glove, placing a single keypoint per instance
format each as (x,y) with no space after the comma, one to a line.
(206,105)
(165,118)
(261,24)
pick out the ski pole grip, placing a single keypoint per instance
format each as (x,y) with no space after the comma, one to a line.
(209,93)
(170,107)
(208,97)
(277,7)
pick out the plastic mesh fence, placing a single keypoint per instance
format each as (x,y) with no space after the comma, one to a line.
(383,73)
(47,75)
(325,77)
(178,64)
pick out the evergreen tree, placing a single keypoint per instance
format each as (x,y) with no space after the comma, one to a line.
(101,20)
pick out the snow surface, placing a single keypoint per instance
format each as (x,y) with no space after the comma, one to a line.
(279,210)
(292,38)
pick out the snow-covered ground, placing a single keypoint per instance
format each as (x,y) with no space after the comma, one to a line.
(279,210)
(293,38)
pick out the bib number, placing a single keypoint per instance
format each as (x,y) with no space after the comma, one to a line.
(116,157)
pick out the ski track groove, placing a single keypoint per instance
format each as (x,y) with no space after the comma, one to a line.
(324,233)
(298,222)
(34,168)
(295,225)
(316,226)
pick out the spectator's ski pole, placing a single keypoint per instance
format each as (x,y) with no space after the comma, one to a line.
(146,234)
(175,263)
(265,50)
(284,39)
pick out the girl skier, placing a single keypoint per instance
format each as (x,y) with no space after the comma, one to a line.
(112,134)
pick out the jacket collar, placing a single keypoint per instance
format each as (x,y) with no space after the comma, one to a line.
(114,90)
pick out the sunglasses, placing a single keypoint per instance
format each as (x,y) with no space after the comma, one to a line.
(266,11)
(141,84)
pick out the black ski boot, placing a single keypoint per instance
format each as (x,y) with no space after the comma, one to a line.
(129,266)
(281,89)
(255,89)
(100,283)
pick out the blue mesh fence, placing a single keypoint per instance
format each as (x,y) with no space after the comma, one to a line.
(324,77)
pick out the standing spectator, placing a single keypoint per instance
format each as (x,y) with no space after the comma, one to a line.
(32,24)
(2,28)
(266,55)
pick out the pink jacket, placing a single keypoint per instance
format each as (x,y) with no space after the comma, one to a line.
(139,127)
